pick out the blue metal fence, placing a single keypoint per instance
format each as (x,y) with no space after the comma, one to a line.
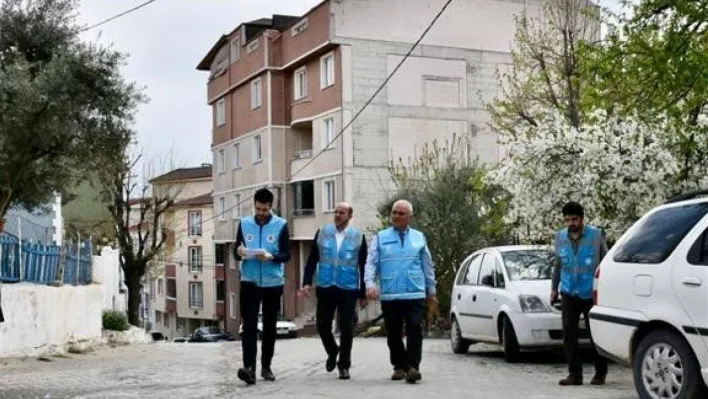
(41,264)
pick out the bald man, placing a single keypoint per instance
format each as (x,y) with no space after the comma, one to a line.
(400,260)
(338,256)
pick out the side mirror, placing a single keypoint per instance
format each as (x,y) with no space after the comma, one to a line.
(488,280)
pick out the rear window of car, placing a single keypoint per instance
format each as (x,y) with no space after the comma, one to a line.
(659,234)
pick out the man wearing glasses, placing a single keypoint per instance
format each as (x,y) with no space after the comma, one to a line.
(399,258)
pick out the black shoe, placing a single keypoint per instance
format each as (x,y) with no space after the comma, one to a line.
(571,379)
(247,375)
(344,374)
(413,375)
(267,374)
(331,362)
(398,374)
(598,379)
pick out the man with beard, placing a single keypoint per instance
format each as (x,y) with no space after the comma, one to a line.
(579,249)
(338,254)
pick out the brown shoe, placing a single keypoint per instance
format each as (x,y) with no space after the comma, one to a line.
(598,379)
(571,379)
(413,376)
(398,375)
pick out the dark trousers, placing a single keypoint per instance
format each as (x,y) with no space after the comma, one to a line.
(396,313)
(573,307)
(329,301)
(252,297)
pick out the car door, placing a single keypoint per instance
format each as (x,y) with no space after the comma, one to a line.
(484,298)
(466,296)
(458,289)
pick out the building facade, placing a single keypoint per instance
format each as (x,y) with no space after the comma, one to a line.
(188,291)
(283,88)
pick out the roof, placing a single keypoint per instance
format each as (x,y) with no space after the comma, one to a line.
(201,172)
(204,199)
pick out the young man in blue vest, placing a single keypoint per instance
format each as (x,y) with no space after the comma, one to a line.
(579,249)
(400,259)
(263,247)
(338,254)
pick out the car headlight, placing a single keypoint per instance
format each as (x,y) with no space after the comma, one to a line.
(532,304)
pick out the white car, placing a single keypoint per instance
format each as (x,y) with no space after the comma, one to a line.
(651,309)
(502,295)
(284,328)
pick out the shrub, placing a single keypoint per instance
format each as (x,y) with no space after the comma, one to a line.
(115,321)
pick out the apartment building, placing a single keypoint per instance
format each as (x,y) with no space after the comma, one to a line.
(189,291)
(283,88)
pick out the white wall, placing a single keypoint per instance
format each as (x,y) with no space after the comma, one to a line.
(41,320)
(107,271)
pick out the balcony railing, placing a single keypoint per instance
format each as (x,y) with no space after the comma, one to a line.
(303,212)
(301,154)
(196,303)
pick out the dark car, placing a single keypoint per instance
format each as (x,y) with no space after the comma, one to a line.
(210,334)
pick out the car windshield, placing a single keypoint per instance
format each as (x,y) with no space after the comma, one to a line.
(211,330)
(529,264)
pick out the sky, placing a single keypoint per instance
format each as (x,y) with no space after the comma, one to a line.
(165,41)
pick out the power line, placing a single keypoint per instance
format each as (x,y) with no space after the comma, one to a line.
(368,102)
(105,21)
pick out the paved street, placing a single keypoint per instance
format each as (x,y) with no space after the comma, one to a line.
(170,370)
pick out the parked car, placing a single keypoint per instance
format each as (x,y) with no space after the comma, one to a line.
(285,328)
(651,298)
(502,295)
(210,334)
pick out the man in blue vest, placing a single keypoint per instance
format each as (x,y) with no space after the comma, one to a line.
(338,254)
(579,249)
(399,258)
(263,248)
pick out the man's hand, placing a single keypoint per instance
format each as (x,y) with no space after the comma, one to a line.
(363,302)
(306,290)
(241,251)
(372,294)
(554,296)
(433,303)
(265,256)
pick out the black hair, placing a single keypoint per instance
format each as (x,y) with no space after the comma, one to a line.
(573,209)
(264,196)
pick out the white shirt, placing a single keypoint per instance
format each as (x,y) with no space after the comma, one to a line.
(339,235)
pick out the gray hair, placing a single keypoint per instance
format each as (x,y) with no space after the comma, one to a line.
(405,204)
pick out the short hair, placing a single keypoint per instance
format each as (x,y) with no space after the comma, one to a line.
(350,209)
(264,196)
(405,203)
(573,208)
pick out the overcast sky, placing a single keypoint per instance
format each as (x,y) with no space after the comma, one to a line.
(165,41)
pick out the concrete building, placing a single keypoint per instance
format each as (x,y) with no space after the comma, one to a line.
(189,290)
(282,89)
(44,225)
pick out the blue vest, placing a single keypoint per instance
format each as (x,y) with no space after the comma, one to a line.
(401,264)
(262,273)
(338,268)
(578,270)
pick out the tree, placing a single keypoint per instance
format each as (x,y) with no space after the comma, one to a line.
(452,205)
(60,100)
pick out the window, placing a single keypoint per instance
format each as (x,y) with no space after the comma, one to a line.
(257,149)
(220,290)
(195,259)
(529,264)
(300,83)
(327,133)
(304,198)
(221,161)
(159,286)
(237,206)
(232,305)
(237,156)
(256,93)
(698,254)
(221,112)
(196,295)
(486,271)
(659,234)
(167,320)
(473,271)
(158,317)
(329,196)
(252,46)
(299,27)
(462,271)
(222,208)
(327,71)
(195,223)
(219,254)
(171,288)
(235,50)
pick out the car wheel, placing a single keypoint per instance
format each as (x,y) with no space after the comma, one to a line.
(459,345)
(666,367)
(509,342)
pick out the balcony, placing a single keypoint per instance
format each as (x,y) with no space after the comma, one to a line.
(301,140)
(170,305)
(304,220)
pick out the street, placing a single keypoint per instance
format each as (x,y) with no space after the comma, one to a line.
(183,370)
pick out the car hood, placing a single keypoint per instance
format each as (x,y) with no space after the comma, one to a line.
(539,288)
(288,324)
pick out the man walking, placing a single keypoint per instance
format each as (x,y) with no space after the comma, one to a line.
(400,258)
(263,248)
(579,249)
(339,250)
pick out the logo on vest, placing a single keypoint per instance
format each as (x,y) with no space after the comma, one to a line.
(588,261)
(249,237)
(270,238)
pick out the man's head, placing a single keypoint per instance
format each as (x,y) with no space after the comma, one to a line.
(401,214)
(574,215)
(342,213)
(263,202)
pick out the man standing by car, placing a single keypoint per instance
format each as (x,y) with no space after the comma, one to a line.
(400,258)
(339,250)
(263,249)
(579,249)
